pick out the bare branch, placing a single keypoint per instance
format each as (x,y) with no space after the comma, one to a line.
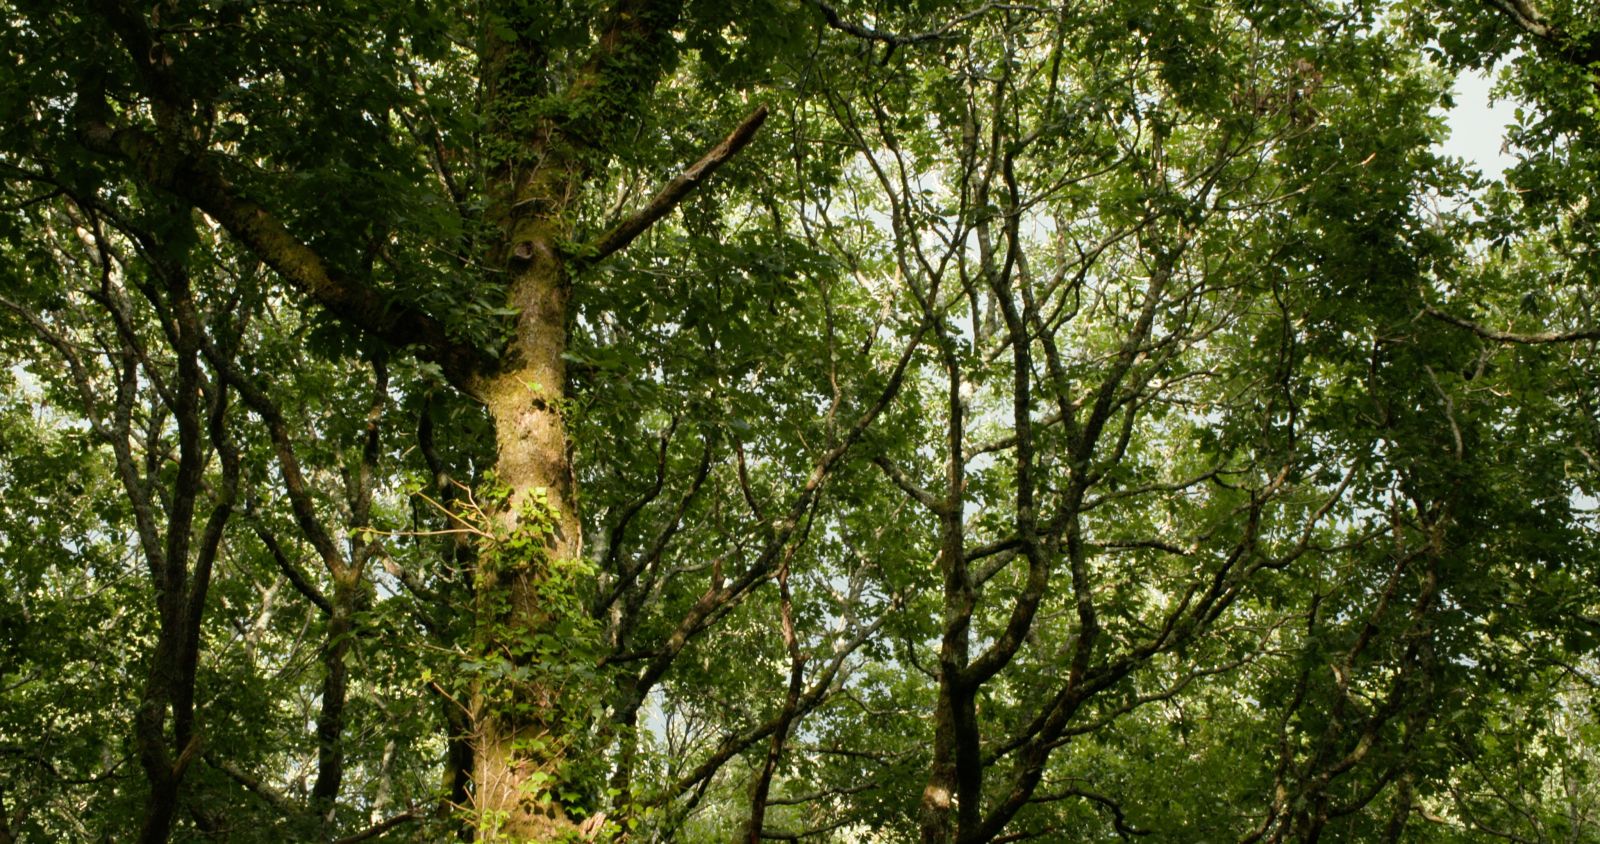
(380,827)
(296,577)
(272,796)
(1510,337)
(624,232)
(910,486)
(836,21)
(1526,17)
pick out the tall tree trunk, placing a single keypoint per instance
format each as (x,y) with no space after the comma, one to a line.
(944,775)
(516,738)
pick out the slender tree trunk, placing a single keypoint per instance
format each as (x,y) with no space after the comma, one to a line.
(150,734)
(330,721)
(762,788)
(169,687)
(459,766)
(938,793)
(944,775)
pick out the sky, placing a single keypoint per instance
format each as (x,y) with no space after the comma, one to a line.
(1477,129)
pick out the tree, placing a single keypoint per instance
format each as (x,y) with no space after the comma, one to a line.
(766,420)
(174,105)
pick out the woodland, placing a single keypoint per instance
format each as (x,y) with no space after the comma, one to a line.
(786,420)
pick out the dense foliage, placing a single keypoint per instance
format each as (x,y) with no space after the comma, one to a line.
(762,419)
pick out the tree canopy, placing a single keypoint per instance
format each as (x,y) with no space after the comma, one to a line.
(940,421)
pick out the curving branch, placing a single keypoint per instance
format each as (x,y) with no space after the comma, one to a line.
(1119,818)
(166,160)
(292,571)
(199,181)
(1528,18)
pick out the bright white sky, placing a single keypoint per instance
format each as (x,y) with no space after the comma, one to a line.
(1477,130)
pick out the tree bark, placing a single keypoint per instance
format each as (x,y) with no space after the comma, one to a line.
(516,737)
(511,742)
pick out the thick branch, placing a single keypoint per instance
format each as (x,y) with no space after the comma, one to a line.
(197,180)
(910,486)
(624,232)
(1509,337)
(1525,16)
(380,828)
(1528,18)
(633,53)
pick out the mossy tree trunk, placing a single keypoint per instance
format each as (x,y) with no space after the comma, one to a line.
(546,149)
